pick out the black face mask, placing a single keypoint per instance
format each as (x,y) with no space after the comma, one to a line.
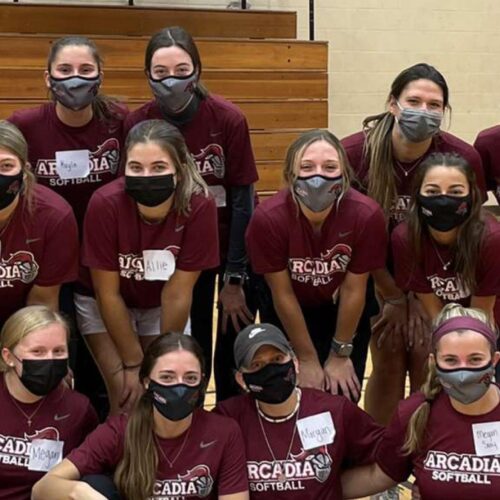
(272,384)
(444,212)
(10,185)
(178,401)
(150,191)
(41,376)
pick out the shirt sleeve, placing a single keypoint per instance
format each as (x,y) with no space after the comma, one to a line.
(488,273)
(266,244)
(200,247)
(100,239)
(88,422)
(232,476)
(370,250)
(60,252)
(101,450)
(482,146)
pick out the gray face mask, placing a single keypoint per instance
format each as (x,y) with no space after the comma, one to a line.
(466,385)
(174,93)
(417,125)
(75,92)
(318,192)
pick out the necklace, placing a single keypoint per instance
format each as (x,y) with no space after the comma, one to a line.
(282,475)
(29,418)
(172,462)
(445,265)
(411,169)
(280,419)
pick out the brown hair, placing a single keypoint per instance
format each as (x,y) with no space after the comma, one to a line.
(378,129)
(470,235)
(25,321)
(296,151)
(13,140)
(104,107)
(175,36)
(135,474)
(168,137)
(415,432)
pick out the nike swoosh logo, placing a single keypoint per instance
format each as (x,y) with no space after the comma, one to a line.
(206,445)
(343,235)
(254,332)
(178,228)
(61,417)
(32,240)
(215,134)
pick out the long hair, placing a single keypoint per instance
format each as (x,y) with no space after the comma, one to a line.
(175,36)
(378,129)
(22,323)
(104,107)
(168,137)
(467,248)
(12,139)
(296,151)
(415,432)
(135,474)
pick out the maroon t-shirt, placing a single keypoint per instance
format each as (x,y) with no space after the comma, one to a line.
(353,238)
(429,275)
(46,135)
(441,143)
(211,462)
(64,415)
(219,141)
(38,248)
(313,473)
(115,237)
(486,144)
(447,467)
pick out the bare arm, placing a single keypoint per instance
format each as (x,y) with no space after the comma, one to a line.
(176,298)
(364,481)
(235,496)
(432,303)
(486,303)
(44,295)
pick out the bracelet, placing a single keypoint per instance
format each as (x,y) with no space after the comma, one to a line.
(131,367)
(396,302)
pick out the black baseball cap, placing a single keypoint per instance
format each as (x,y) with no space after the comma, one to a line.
(252,337)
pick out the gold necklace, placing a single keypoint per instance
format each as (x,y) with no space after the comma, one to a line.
(445,265)
(411,169)
(172,462)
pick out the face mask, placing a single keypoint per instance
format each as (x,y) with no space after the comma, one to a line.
(466,385)
(178,401)
(318,192)
(10,185)
(272,384)
(417,125)
(444,212)
(174,93)
(150,191)
(41,376)
(75,92)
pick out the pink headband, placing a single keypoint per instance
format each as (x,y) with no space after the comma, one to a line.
(465,323)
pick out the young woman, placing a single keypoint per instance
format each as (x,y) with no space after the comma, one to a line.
(447,434)
(385,157)
(147,237)
(41,416)
(38,232)
(76,139)
(216,134)
(297,440)
(169,447)
(316,242)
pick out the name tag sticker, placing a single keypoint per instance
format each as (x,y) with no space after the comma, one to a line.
(158,264)
(219,193)
(486,438)
(316,430)
(73,164)
(45,454)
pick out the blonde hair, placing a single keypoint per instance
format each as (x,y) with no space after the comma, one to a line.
(168,137)
(23,322)
(417,424)
(13,140)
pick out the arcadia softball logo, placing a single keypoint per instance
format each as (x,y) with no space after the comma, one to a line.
(448,289)
(132,264)
(289,475)
(211,161)
(196,482)
(20,266)
(319,270)
(399,209)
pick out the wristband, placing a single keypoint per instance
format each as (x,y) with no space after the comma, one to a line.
(234,278)
(131,367)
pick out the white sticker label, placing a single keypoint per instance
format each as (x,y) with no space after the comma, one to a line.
(45,454)
(73,164)
(316,430)
(219,193)
(486,438)
(158,264)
